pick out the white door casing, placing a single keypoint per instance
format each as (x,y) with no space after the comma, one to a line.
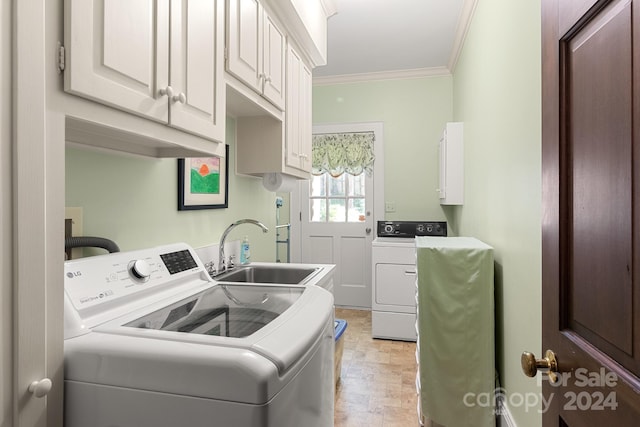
(347,245)
(37,222)
(6,260)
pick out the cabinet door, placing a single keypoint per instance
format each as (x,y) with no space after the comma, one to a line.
(305,118)
(274,44)
(196,67)
(298,112)
(244,53)
(118,52)
(293,133)
(452,165)
(442,166)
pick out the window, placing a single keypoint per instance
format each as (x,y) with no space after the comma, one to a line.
(337,199)
(340,162)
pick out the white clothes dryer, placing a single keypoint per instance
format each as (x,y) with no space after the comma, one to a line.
(152,341)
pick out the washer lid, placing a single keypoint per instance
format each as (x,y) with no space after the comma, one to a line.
(277,322)
(233,311)
(203,361)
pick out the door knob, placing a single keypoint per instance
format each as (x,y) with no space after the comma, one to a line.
(530,365)
(40,388)
(368,230)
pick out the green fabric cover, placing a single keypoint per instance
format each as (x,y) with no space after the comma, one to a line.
(456,331)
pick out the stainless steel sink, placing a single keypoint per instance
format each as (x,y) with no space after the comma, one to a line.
(268,274)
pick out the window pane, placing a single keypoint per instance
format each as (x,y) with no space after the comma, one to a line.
(318,210)
(318,185)
(356,185)
(336,186)
(336,210)
(356,210)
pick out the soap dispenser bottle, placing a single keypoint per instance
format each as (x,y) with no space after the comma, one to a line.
(245,253)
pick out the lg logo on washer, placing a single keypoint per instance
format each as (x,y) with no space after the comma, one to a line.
(73,274)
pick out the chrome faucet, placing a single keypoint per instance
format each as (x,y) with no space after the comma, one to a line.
(222,263)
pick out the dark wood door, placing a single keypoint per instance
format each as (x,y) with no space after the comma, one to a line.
(591,210)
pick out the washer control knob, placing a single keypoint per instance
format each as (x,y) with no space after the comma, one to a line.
(140,269)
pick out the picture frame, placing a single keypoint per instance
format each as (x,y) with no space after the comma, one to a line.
(203,182)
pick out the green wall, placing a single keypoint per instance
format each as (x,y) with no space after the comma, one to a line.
(413,112)
(133,201)
(497,93)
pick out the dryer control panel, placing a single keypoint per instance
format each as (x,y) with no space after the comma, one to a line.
(411,228)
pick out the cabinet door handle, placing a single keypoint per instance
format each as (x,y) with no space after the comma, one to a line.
(168,91)
(410,273)
(40,388)
(181,98)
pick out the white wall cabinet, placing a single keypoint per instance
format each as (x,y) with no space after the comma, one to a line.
(298,112)
(160,60)
(451,165)
(266,144)
(256,49)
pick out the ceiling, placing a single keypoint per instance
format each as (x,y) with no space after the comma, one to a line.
(377,39)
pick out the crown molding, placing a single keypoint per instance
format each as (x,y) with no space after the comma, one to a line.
(468,8)
(382,75)
(329,7)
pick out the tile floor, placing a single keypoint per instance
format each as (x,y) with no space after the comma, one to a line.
(377,385)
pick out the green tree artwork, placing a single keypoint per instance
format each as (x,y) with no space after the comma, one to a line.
(205,175)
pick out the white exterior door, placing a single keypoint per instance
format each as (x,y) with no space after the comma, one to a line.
(337,222)
(337,229)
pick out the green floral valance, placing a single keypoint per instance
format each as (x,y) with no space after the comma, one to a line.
(337,153)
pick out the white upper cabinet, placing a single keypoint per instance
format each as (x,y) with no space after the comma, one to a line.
(162,60)
(451,156)
(298,112)
(266,144)
(256,49)
(196,70)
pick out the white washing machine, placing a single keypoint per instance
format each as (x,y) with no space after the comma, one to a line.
(393,256)
(151,340)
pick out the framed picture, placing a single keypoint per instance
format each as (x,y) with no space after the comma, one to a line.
(203,182)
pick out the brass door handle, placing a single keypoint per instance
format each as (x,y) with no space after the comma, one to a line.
(530,365)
